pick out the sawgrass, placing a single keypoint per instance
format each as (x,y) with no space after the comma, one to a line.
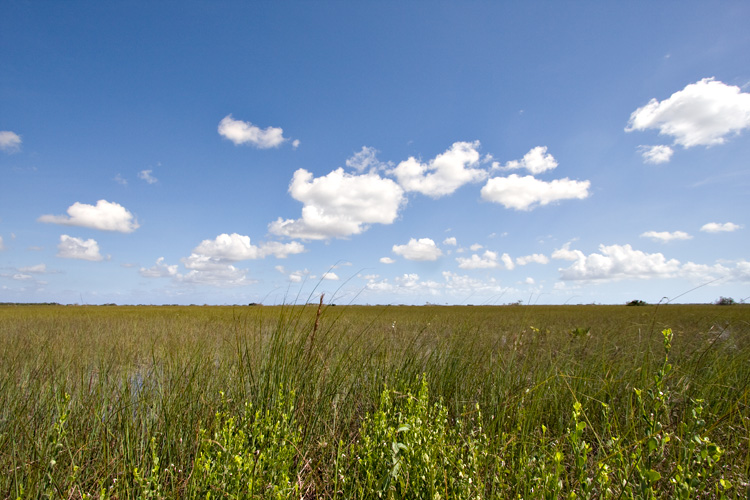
(374,402)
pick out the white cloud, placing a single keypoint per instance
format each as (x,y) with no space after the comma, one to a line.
(121,180)
(536,161)
(35,269)
(160,270)
(105,216)
(704,113)
(475,247)
(525,193)
(464,284)
(205,270)
(295,143)
(10,142)
(330,276)
(2,246)
(656,154)
(366,160)
(529,281)
(225,276)
(535,258)
(450,241)
(715,227)
(235,247)
(339,204)
(422,249)
(240,132)
(298,276)
(442,175)
(487,261)
(615,262)
(146,176)
(666,236)
(509,265)
(386,260)
(77,248)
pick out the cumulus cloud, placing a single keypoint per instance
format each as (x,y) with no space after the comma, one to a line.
(105,215)
(330,276)
(240,132)
(507,261)
(536,161)
(716,227)
(666,236)
(418,249)
(147,176)
(704,113)
(488,260)
(615,262)
(236,247)
(526,193)
(476,246)
(444,174)
(77,248)
(450,241)
(536,258)
(339,204)
(2,245)
(386,260)
(10,142)
(656,154)
(160,270)
(366,160)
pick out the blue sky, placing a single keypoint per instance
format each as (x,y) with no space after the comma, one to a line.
(381,152)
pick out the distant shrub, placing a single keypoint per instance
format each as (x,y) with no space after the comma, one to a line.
(637,303)
(725,301)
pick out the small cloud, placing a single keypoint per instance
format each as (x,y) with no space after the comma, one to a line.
(536,258)
(666,236)
(366,160)
(159,270)
(704,113)
(339,205)
(77,248)
(444,174)
(330,276)
(528,192)
(536,161)
(121,180)
(423,249)
(36,269)
(299,276)
(656,154)
(450,241)
(295,143)
(2,245)
(146,176)
(715,227)
(105,216)
(529,281)
(240,132)
(475,247)
(10,142)
(386,260)
(486,261)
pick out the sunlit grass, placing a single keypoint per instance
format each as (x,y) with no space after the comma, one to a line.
(523,400)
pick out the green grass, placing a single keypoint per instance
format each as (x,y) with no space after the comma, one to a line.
(377,402)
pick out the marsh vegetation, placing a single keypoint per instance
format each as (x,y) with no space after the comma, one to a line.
(376,402)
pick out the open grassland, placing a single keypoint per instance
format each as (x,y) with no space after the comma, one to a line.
(376,402)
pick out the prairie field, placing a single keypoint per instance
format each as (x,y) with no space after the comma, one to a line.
(374,401)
